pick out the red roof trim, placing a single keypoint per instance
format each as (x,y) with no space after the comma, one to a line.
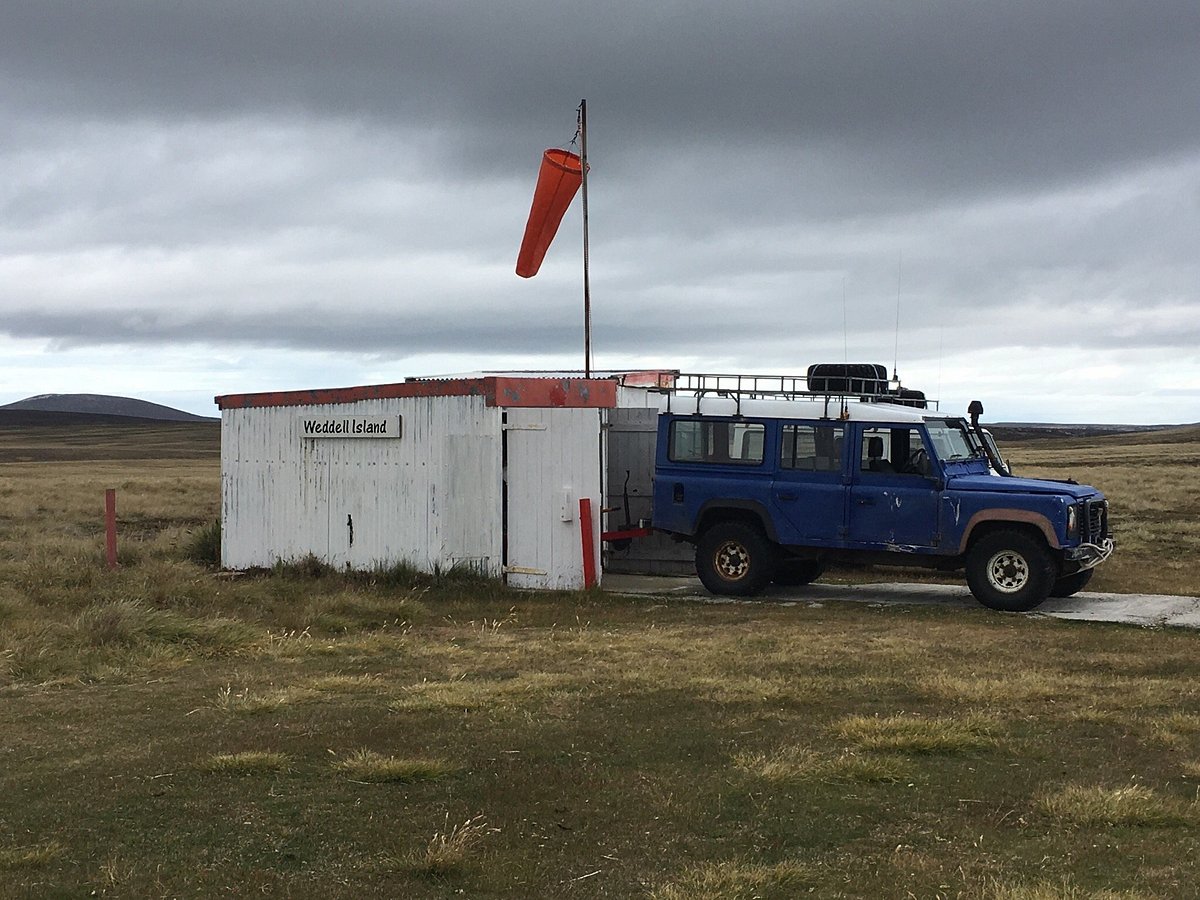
(512,392)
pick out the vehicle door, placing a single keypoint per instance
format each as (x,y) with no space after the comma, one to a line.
(895,489)
(808,494)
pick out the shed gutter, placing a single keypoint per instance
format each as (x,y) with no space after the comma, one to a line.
(541,393)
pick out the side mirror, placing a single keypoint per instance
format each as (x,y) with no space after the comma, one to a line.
(938,484)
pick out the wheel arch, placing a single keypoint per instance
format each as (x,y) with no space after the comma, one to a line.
(989,521)
(748,511)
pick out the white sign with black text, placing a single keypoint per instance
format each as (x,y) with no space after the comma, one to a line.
(351,426)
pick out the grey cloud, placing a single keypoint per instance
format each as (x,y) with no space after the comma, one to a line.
(1022,85)
(355,176)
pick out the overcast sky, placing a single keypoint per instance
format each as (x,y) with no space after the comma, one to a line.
(216,196)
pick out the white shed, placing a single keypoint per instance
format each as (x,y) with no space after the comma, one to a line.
(485,472)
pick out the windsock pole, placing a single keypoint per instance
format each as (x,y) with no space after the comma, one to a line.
(587,288)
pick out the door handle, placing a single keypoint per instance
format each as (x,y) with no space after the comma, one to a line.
(866,501)
(788,495)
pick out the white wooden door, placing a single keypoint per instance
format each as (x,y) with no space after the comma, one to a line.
(552,460)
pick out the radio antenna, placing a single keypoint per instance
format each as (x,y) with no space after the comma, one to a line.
(845,338)
(941,336)
(896,358)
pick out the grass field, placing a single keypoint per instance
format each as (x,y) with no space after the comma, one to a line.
(166,730)
(1152,481)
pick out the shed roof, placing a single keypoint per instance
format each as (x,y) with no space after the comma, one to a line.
(506,391)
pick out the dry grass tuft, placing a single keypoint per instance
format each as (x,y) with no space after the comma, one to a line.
(1095,806)
(116,872)
(785,764)
(1013,688)
(1174,730)
(745,689)
(914,735)
(495,694)
(248,762)
(1064,889)
(448,852)
(349,684)
(799,764)
(735,881)
(1106,718)
(129,622)
(29,857)
(249,702)
(856,768)
(375,768)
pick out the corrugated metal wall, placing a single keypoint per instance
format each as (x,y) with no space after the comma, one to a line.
(632,437)
(431,498)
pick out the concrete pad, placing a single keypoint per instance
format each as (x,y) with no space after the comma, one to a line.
(1148,610)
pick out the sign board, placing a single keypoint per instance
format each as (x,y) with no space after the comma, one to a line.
(351,426)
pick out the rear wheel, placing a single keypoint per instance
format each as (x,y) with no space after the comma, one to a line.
(792,572)
(1070,584)
(1010,570)
(735,558)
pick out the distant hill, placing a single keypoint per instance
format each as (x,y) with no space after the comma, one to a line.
(1132,433)
(50,409)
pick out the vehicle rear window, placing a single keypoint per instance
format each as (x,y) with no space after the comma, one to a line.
(811,448)
(716,441)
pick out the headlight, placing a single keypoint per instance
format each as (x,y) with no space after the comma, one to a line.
(1072,521)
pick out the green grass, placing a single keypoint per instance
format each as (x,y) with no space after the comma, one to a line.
(169,730)
(737,881)
(377,768)
(916,735)
(13,859)
(247,762)
(1138,805)
(1063,889)
(800,764)
(203,545)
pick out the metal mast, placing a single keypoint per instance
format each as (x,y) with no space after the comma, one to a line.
(587,288)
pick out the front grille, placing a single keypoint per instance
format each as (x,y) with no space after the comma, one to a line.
(1096,517)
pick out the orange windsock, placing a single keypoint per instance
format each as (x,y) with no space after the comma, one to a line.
(558,180)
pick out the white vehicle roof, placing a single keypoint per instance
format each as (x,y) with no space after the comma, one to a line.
(686,405)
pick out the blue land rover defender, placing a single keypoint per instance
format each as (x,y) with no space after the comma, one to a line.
(774,490)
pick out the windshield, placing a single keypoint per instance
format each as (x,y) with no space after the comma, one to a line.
(950,440)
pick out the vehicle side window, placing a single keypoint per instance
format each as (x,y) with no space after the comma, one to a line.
(893,451)
(716,441)
(811,448)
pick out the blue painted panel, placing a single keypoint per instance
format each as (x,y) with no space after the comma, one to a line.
(892,505)
(888,511)
(809,494)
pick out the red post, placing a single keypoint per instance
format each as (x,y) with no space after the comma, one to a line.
(110,526)
(589,547)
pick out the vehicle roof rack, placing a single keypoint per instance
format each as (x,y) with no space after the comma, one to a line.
(860,389)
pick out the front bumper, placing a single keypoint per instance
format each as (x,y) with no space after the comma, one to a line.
(1088,556)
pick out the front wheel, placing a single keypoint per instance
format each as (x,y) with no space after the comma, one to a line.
(1071,584)
(735,558)
(1010,570)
